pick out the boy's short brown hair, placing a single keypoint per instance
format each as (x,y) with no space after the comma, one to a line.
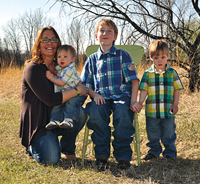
(158,47)
(108,22)
(67,48)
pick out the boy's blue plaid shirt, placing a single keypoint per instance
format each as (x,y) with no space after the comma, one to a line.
(160,87)
(109,74)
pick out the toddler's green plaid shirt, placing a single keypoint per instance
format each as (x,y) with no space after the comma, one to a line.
(160,88)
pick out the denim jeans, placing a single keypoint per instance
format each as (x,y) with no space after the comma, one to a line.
(164,130)
(68,109)
(47,149)
(99,119)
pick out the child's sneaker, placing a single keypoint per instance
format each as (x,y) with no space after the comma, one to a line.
(52,124)
(67,123)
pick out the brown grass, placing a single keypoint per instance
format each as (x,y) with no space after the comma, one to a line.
(16,168)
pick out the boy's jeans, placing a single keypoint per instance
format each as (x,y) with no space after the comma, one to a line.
(164,130)
(47,149)
(68,109)
(123,128)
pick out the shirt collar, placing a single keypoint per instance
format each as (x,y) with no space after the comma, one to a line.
(70,65)
(111,52)
(152,69)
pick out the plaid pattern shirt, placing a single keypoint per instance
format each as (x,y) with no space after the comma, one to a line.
(160,88)
(109,74)
(69,75)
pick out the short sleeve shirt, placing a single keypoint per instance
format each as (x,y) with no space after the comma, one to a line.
(69,75)
(110,74)
(160,88)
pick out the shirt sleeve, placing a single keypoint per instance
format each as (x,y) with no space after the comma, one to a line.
(144,82)
(177,82)
(40,85)
(87,74)
(128,67)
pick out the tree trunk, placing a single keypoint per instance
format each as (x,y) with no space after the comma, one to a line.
(194,74)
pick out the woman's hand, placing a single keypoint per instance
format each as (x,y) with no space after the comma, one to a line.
(82,89)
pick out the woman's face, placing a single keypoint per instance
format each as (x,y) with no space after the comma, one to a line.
(49,48)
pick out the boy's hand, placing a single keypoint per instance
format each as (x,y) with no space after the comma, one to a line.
(173,109)
(49,75)
(136,107)
(99,99)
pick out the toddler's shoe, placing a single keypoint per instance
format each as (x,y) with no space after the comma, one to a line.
(67,123)
(52,124)
(149,156)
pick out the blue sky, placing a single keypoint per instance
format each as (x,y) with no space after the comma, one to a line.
(13,8)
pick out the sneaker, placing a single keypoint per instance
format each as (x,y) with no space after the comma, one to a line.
(123,164)
(52,124)
(67,123)
(149,156)
(167,157)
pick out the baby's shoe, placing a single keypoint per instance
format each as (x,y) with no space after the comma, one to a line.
(67,123)
(52,124)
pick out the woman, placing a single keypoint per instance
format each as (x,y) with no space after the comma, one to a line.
(38,98)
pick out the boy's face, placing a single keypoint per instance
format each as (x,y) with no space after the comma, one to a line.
(160,61)
(105,35)
(64,58)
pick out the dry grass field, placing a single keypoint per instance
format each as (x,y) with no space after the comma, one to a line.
(15,167)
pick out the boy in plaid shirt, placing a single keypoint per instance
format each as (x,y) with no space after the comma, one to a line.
(162,85)
(63,115)
(113,85)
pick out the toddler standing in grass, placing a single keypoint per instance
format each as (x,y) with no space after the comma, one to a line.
(162,85)
(67,78)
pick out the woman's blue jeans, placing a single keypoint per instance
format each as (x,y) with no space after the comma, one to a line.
(161,130)
(47,149)
(99,119)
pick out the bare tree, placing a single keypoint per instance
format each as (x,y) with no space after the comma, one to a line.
(12,40)
(75,36)
(20,34)
(29,23)
(155,19)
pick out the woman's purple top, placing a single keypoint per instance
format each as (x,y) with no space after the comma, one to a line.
(38,98)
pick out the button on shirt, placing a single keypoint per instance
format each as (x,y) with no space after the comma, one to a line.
(160,88)
(109,74)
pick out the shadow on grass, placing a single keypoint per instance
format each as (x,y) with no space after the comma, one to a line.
(159,170)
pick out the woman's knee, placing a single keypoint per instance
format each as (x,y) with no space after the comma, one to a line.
(48,157)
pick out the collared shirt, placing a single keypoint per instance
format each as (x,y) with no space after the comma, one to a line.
(110,74)
(160,88)
(68,75)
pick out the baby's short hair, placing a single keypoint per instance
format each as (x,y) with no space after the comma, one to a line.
(67,48)
(108,22)
(158,47)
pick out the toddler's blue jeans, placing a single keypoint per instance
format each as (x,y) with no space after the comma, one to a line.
(161,130)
